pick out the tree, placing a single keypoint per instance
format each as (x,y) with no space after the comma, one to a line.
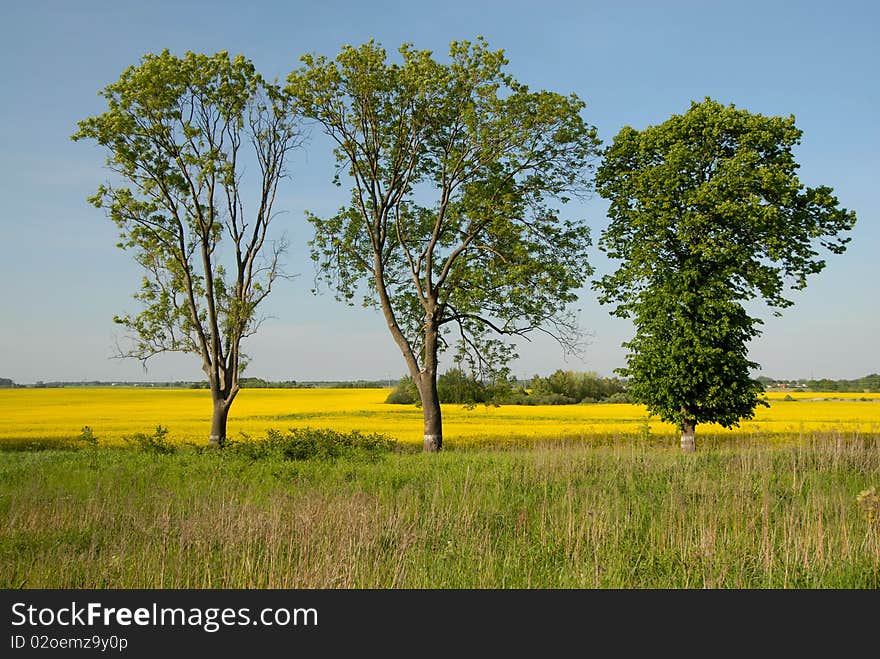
(180,132)
(458,172)
(707,212)
(573,387)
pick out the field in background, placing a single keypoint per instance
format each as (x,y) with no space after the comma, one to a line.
(57,416)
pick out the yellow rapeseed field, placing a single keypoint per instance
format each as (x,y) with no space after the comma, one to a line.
(113,413)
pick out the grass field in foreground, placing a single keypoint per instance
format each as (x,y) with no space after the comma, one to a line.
(743,514)
(47,416)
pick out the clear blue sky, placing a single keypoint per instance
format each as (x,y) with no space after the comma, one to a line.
(634,63)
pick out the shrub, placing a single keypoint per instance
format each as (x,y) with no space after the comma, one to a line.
(313,444)
(457,387)
(86,435)
(576,386)
(155,443)
(405,393)
(546,398)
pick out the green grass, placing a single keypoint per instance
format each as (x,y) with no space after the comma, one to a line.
(624,514)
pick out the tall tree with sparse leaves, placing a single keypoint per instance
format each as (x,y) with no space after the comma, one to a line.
(457,173)
(706,213)
(181,133)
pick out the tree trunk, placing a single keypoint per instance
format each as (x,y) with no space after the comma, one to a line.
(433,438)
(688,432)
(218,423)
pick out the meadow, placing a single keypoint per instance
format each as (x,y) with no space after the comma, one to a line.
(582,496)
(559,515)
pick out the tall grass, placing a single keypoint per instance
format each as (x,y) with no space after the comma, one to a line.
(625,514)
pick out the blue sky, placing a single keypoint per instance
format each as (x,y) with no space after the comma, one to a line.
(634,63)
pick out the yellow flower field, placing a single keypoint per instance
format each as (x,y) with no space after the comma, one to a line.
(113,413)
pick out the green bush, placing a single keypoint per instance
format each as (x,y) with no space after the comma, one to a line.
(577,387)
(87,436)
(457,387)
(312,444)
(619,397)
(155,443)
(546,398)
(405,393)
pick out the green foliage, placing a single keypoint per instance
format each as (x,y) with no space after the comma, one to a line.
(868,383)
(405,393)
(688,360)
(563,387)
(87,436)
(542,398)
(461,387)
(456,175)
(312,444)
(457,386)
(357,384)
(258,383)
(712,196)
(707,213)
(157,443)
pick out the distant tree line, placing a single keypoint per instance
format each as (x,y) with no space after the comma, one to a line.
(59,384)
(456,386)
(259,383)
(358,384)
(255,383)
(571,387)
(869,383)
(560,388)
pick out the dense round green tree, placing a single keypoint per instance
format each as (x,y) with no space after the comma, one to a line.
(706,213)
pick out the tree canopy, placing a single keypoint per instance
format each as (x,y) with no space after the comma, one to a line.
(706,213)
